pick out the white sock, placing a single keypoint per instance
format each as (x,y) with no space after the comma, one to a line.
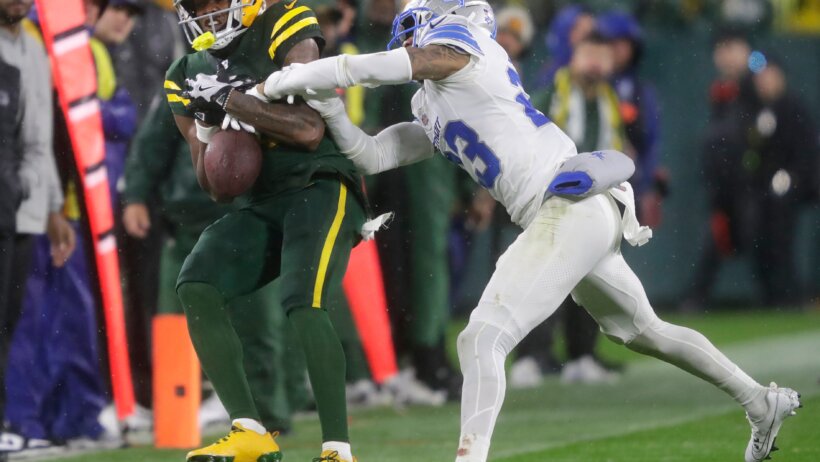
(250,424)
(472,448)
(341,447)
(694,353)
(747,392)
(482,349)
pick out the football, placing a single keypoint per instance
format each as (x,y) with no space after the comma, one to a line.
(232,163)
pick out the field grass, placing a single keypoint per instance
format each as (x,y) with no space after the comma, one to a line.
(653,413)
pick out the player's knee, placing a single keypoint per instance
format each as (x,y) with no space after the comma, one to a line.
(466,340)
(197,296)
(483,339)
(650,339)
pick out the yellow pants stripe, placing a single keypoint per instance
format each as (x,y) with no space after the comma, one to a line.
(288,33)
(327,250)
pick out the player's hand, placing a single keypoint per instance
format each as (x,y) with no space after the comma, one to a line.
(207,91)
(286,82)
(137,220)
(62,237)
(326,102)
(232,123)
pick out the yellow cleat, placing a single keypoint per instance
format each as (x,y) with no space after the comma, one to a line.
(241,445)
(331,456)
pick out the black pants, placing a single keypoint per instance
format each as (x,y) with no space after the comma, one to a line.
(15,264)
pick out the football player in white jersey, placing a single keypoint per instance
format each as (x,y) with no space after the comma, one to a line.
(473,110)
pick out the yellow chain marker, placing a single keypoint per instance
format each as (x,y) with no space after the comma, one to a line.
(204,41)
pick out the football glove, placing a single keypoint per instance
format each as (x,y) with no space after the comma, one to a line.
(207,91)
(326,102)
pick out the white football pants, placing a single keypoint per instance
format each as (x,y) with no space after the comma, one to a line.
(572,247)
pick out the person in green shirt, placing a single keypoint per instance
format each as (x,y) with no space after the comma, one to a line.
(303,216)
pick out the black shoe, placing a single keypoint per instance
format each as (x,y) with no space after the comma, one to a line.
(434,370)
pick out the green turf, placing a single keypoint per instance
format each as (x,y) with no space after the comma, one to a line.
(654,413)
(713,438)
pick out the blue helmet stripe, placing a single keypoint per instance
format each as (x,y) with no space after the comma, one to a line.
(453,32)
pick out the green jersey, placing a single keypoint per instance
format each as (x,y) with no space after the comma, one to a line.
(256,54)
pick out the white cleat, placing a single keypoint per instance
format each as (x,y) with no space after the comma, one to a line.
(525,373)
(586,370)
(782,403)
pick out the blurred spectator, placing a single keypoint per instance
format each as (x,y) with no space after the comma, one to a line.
(10,196)
(119,115)
(725,178)
(141,60)
(730,56)
(515,34)
(63,371)
(640,113)
(159,164)
(570,25)
(40,211)
(585,106)
(770,135)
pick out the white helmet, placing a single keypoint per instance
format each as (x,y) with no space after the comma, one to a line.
(241,14)
(419,13)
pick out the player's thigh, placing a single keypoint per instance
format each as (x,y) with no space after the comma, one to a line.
(615,297)
(321,225)
(536,273)
(236,254)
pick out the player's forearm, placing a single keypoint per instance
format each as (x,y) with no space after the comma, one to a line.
(370,70)
(293,124)
(397,145)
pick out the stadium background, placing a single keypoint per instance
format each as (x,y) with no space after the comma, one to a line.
(678,61)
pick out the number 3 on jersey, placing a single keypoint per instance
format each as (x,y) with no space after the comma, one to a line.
(531,112)
(472,148)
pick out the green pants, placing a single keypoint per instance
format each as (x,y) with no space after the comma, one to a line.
(304,239)
(260,324)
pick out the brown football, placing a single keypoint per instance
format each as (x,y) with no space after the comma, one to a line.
(233,160)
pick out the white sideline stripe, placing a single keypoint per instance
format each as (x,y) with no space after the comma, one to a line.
(107,244)
(70,43)
(86,109)
(96,177)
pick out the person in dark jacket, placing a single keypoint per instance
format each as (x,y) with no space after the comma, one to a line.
(761,170)
(10,197)
(780,157)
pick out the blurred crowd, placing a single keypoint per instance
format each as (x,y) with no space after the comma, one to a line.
(581,63)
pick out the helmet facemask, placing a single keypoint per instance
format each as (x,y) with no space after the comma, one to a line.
(240,15)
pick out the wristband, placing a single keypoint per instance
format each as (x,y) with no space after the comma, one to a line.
(205,133)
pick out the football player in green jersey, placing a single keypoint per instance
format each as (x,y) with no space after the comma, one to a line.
(304,212)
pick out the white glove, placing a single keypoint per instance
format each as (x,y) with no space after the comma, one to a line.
(207,90)
(281,84)
(232,123)
(326,102)
(254,91)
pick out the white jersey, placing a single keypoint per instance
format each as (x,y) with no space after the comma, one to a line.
(481,119)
